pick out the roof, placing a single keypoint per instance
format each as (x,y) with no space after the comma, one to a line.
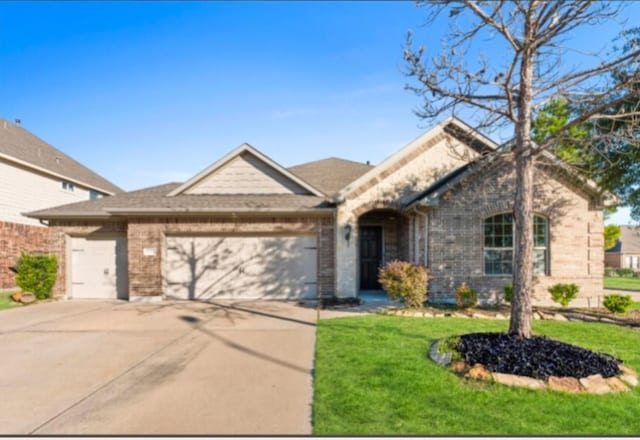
(629,241)
(156,200)
(19,146)
(243,149)
(431,194)
(332,174)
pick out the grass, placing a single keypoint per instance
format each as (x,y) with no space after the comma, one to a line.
(622,283)
(6,302)
(373,376)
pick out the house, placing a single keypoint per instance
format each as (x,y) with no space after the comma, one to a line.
(34,175)
(247,227)
(626,252)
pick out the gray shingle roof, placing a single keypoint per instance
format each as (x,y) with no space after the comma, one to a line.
(19,144)
(330,175)
(155,199)
(629,241)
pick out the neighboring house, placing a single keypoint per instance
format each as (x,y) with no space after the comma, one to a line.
(34,175)
(246,227)
(626,252)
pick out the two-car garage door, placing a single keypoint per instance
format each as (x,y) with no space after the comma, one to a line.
(240,267)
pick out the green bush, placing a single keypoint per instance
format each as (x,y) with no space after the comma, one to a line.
(508,292)
(563,294)
(37,274)
(625,272)
(401,279)
(617,303)
(466,296)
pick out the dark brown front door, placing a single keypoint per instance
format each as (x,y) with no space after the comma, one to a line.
(370,256)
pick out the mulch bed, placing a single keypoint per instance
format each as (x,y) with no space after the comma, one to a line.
(538,357)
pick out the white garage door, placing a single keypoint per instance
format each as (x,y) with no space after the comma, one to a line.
(99,268)
(271,267)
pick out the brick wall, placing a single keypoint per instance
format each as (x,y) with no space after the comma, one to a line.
(14,239)
(145,272)
(456,235)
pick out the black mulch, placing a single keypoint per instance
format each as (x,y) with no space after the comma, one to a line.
(335,301)
(538,357)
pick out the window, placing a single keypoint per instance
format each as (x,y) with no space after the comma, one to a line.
(498,245)
(67,186)
(93,195)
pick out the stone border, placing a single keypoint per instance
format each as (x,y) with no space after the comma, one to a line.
(538,315)
(595,384)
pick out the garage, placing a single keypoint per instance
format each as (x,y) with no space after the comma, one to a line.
(99,268)
(241,267)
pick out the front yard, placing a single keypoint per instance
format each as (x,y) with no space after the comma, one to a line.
(373,376)
(622,283)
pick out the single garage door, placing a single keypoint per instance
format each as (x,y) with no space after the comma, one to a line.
(241,267)
(99,267)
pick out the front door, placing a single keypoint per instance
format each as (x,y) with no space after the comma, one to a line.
(370,256)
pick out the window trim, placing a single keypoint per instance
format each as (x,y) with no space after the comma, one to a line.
(547,254)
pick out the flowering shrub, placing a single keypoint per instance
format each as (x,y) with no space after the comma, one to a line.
(401,279)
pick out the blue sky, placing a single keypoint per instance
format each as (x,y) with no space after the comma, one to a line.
(146,93)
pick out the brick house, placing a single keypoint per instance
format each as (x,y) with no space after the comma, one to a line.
(246,227)
(626,252)
(35,175)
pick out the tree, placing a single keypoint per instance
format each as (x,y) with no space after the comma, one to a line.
(528,42)
(611,236)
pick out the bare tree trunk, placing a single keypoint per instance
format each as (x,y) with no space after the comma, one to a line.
(521,310)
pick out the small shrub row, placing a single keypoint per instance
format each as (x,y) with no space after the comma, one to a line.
(620,272)
(466,296)
(563,294)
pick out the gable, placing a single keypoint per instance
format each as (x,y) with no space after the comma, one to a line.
(246,174)
(446,147)
(245,171)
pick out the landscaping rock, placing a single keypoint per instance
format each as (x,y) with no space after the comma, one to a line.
(518,381)
(438,357)
(478,372)
(500,316)
(545,316)
(617,385)
(536,316)
(629,376)
(427,315)
(595,384)
(480,316)
(559,317)
(438,315)
(27,298)
(459,367)
(459,315)
(566,384)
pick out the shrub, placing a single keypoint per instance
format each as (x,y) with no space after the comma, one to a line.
(625,272)
(616,303)
(508,292)
(466,296)
(610,272)
(401,279)
(563,294)
(37,274)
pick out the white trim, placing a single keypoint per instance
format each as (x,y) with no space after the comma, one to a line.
(244,148)
(52,173)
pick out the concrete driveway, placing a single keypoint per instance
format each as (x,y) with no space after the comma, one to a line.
(93,367)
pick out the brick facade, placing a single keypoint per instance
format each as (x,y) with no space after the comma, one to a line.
(16,238)
(145,273)
(456,235)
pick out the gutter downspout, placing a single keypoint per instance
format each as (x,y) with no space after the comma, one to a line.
(426,234)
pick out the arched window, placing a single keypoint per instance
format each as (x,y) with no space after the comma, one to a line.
(498,245)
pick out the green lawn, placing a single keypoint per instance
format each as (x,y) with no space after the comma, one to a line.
(622,283)
(373,376)
(6,302)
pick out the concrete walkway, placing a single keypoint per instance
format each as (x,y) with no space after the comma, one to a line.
(98,367)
